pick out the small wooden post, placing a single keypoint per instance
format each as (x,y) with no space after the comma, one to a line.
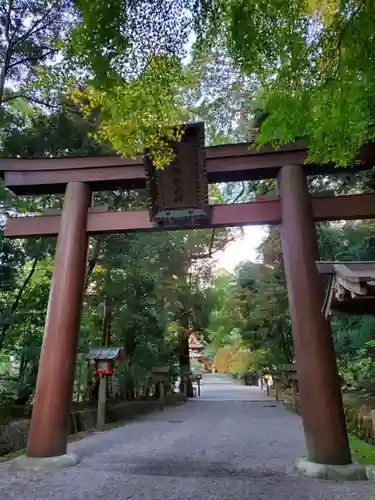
(102,403)
(185,387)
(161,395)
(268,387)
(199,387)
(277,389)
(373,422)
(294,396)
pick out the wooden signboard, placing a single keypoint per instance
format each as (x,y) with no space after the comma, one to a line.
(288,367)
(178,194)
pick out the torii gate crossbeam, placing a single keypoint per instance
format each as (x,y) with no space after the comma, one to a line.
(267,211)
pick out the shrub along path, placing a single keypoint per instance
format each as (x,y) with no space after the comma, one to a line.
(232,444)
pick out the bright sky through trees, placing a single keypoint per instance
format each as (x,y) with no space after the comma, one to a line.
(241,249)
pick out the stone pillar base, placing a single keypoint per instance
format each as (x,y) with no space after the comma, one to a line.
(351,472)
(25,463)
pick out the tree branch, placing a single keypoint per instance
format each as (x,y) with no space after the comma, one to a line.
(25,60)
(242,192)
(18,299)
(212,252)
(8,21)
(92,261)
(34,28)
(30,99)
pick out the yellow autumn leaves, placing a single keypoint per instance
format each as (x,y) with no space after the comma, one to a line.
(139,114)
(323,10)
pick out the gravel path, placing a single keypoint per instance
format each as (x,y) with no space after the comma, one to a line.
(234,443)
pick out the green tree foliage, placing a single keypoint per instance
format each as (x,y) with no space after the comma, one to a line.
(135,53)
(11,259)
(220,97)
(225,318)
(32,34)
(250,307)
(265,326)
(138,286)
(266,318)
(353,336)
(314,63)
(116,39)
(61,132)
(251,313)
(121,60)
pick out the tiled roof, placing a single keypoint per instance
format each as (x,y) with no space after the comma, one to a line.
(351,289)
(102,353)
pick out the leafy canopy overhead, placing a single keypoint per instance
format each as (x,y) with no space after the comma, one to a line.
(315,64)
(123,60)
(134,53)
(32,34)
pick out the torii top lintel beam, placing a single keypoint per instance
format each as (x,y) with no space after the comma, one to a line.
(227,163)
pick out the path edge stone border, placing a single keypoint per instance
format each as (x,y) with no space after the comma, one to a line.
(25,463)
(351,472)
(370,471)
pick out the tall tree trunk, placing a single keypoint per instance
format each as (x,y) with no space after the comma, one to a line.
(183,355)
(183,341)
(89,396)
(106,342)
(285,345)
(92,261)
(107,318)
(78,379)
(8,51)
(130,345)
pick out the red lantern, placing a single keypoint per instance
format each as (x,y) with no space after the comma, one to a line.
(104,359)
(103,367)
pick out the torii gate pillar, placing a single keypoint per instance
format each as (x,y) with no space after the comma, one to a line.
(53,397)
(320,394)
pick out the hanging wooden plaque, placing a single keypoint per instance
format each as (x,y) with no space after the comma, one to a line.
(178,195)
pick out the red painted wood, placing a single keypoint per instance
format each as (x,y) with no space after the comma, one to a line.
(231,162)
(349,207)
(50,419)
(319,385)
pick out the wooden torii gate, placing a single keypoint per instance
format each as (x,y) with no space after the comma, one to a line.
(294,209)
